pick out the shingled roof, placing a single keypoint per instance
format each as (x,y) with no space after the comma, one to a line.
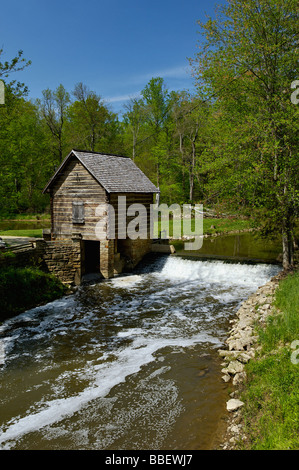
(115,173)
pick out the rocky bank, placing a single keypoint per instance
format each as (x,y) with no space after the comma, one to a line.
(241,348)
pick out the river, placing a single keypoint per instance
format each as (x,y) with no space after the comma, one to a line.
(128,363)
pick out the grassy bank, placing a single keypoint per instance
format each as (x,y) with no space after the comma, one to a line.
(210,225)
(25,288)
(271,396)
(32,233)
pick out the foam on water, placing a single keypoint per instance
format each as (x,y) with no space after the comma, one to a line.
(129,361)
(126,281)
(208,271)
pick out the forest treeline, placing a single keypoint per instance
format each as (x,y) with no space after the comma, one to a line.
(159,131)
(232,145)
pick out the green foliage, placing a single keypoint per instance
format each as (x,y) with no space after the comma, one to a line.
(90,124)
(284,326)
(25,162)
(248,62)
(271,396)
(16,64)
(32,287)
(7,255)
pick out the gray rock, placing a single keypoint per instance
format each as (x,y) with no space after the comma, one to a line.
(234,367)
(239,378)
(226,377)
(234,404)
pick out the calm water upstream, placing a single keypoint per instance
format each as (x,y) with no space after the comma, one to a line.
(129,363)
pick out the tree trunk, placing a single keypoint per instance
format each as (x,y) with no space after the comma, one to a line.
(134,147)
(287,249)
(191,175)
(191,184)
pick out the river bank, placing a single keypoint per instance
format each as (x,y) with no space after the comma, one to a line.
(257,364)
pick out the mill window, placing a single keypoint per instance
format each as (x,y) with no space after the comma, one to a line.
(78,212)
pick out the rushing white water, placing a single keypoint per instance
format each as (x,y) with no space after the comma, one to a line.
(67,365)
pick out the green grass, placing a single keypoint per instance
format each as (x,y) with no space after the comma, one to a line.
(210,226)
(224,225)
(283,327)
(271,397)
(35,233)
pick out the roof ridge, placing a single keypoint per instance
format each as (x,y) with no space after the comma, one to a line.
(115,176)
(100,153)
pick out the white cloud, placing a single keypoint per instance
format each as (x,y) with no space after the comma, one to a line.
(179,72)
(117,99)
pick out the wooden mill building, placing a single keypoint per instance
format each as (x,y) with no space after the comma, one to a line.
(82,190)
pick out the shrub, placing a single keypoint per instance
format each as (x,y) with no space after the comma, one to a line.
(24,288)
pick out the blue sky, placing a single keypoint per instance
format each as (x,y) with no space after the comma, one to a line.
(113,46)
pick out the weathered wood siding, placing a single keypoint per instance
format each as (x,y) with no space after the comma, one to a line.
(73,184)
(121,209)
(133,250)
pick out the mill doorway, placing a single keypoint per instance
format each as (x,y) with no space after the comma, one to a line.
(92,256)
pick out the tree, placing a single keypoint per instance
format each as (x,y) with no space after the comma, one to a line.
(91,125)
(25,162)
(134,118)
(16,64)
(158,106)
(54,107)
(247,64)
(190,115)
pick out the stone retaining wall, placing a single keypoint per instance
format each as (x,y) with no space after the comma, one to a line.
(133,251)
(62,258)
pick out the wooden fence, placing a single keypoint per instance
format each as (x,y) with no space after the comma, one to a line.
(19,247)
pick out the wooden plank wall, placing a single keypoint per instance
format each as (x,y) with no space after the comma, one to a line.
(121,209)
(76,183)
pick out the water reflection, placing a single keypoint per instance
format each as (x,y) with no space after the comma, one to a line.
(245,246)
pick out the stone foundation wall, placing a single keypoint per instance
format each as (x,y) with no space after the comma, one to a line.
(139,249)
(62,258)
(133,251)
(107,258)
